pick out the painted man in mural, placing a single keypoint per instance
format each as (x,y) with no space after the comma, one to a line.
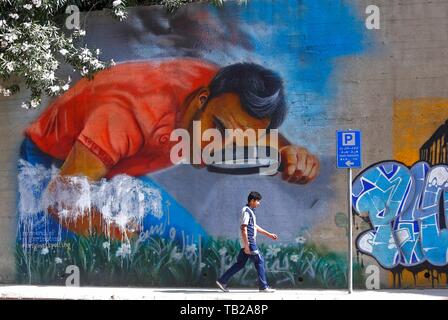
(121,121)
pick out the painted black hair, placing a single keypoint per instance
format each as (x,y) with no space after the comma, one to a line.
(254,195)
(260,90)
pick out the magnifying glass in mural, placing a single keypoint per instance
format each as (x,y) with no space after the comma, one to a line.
(247,160)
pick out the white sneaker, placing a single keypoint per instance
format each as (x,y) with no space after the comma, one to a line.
(267,290)
(222,287)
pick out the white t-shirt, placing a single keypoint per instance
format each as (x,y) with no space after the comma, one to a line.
(248,218)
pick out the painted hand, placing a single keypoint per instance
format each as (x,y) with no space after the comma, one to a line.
(298,164)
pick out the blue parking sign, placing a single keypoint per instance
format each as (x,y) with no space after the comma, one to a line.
(348,149)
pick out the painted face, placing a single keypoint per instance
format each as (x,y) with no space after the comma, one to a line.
(226,112)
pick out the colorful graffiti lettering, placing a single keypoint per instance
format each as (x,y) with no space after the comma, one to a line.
(407,209)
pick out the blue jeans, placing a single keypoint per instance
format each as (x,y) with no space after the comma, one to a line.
(241,260)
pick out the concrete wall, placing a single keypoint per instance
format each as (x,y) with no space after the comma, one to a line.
(390,83)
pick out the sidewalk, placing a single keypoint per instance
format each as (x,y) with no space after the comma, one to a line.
(109,293)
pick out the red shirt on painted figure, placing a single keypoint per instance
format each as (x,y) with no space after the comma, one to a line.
(125,115)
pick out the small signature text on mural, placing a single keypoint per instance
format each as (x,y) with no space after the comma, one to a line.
(46,245)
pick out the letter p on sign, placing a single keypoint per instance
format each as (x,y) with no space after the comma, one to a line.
(348,139)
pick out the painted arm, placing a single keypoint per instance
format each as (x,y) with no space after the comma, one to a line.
(81,162)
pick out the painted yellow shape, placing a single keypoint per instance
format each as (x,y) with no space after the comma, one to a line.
(414,122)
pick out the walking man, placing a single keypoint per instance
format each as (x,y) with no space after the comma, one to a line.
(249,249)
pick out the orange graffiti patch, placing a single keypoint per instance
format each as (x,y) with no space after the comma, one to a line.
(414,122)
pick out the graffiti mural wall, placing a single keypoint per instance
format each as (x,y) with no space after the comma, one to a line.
(137,177)
(98,188)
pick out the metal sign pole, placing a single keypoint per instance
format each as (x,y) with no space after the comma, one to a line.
(350,233)
(348,156)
